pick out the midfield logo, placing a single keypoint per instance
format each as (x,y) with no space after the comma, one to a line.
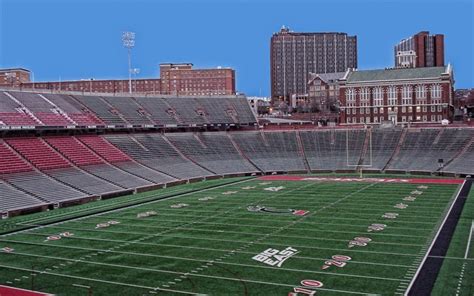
(270,210)
(229,192)
(206,198)
(409,198)
(248,187)
(274,257)
(422,187)
(418,192)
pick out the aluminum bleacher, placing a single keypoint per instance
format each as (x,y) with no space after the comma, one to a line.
(327,150)
(130,110)
(105,112)
(271,151)
(214,151)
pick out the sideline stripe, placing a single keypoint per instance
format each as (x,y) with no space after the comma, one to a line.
(469,240)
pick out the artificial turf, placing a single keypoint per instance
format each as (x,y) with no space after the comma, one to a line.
(207,246)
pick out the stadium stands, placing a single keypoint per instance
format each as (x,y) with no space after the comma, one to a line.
(53,166)
(327,150)
(271,152)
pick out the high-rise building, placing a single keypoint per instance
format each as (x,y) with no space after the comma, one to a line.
(294,55)
(420,50)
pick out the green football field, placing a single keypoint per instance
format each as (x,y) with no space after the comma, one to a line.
(251,237)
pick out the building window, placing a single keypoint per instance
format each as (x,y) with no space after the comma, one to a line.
(378,96)
(440,117)
(406,95)
(420,92)
(425,118)
(376,110)
(433,108)
(439,108)
(404,119)
(367,119)
(349,119)
(361,110)
(361,120)
(404,109)
(364,94)
(376,119)
(392,95)
(436,91)
(350,94)
(382,118)
(425,109)
(381,110)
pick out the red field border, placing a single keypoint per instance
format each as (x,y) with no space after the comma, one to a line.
(369,180)
(11,291)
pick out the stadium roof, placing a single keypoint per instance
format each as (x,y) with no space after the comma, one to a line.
(396,74)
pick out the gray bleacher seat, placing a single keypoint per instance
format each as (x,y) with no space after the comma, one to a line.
(44,187)
(14,199)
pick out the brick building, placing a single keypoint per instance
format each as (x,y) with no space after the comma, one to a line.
(398,95)
(294,55)
(182,79)
(420,50)
(14,77)
(175,79)
(323,92)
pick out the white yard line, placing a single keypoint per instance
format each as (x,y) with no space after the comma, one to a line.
(99,281)
(469,240)
(235,241)
(434,240)
(189,247)
(167,229)
(210,276)
(160,271)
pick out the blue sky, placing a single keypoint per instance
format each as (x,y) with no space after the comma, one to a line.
(75,39)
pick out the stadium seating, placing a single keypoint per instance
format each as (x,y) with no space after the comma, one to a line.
(130,110)
(21,108)
(327,150)
(103,110)
(271,152)
(213,151)
(53,167)
(14,199)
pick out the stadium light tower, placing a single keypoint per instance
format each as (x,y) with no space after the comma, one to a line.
(128,40)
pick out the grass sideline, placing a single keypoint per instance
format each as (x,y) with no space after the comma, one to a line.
(457,272)
(207,247)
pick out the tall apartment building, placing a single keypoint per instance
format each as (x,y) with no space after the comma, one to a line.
(294,55)
(175,79)
(420,50)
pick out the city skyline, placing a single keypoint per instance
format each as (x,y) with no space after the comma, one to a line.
(73,41)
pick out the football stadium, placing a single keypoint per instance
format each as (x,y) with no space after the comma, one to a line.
(158,195)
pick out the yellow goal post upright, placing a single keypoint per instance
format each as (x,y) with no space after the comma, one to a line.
(367,147)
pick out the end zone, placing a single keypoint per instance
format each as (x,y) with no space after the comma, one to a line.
(369,180)
(11,291)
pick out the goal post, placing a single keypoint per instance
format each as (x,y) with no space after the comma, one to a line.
(368,152)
